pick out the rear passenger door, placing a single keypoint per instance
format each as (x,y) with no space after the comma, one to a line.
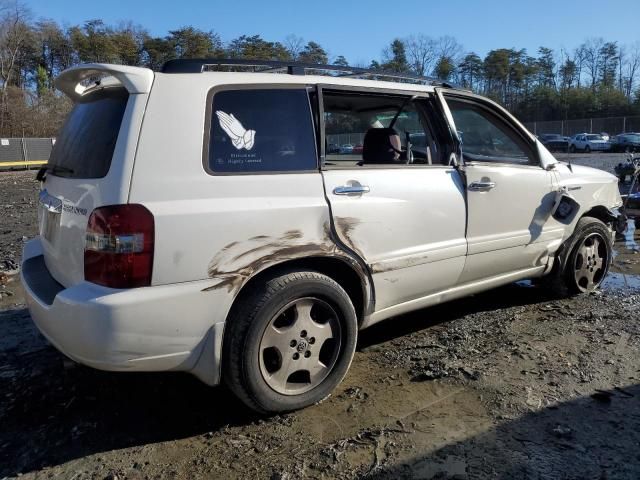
(404,215)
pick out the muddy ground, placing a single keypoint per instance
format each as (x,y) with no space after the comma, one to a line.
(512,383)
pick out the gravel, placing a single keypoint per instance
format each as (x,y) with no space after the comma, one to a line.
(511,383)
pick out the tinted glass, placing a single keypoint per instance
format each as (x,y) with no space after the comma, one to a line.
(595,137)
(485,137)
(267,130)
(84,148)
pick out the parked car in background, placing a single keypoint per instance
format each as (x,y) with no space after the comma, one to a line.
(586,142)
(346,148)
(626,142)
(357,149)
(333,148)
(554,142)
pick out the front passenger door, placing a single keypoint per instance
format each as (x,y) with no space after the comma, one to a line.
(510,196)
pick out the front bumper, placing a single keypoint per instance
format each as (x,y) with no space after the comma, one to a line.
(158,328)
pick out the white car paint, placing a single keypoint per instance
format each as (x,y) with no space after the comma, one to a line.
(588,141)
(407,239)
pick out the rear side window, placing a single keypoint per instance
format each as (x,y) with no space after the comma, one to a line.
(262,130)
(84,148)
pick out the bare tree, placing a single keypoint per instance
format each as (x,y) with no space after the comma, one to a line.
(592,59)
(421,53)
(630,69)
(15,33)
(294,45)
(448,47)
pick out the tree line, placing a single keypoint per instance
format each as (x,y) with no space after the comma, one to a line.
(598,78)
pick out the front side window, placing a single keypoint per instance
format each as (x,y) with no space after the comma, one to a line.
(485,137)
(261,130)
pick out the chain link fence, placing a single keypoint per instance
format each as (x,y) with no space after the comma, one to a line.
(24,152)
(610,125)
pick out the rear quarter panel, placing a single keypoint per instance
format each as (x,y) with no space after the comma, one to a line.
(219,227)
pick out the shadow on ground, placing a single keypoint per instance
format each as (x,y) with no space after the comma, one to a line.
(590,437)
(53,411)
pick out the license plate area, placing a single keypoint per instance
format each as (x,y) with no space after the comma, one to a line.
(50,215)
(50,225)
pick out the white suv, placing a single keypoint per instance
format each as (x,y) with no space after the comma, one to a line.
(587,142)
(194,220)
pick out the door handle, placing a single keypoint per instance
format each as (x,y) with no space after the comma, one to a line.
(481,186)
(351,190)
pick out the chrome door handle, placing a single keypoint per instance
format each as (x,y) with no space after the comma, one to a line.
(351,190)
(481,186)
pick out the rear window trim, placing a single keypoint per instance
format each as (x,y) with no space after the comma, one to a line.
(253,86)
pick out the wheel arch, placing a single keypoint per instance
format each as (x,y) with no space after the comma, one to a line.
(346,273)
(602,213)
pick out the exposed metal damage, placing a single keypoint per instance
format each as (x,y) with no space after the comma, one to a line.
(238,261)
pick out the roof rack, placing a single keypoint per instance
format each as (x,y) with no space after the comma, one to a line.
(199,65)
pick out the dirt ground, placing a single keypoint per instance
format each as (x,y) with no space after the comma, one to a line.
(511,383)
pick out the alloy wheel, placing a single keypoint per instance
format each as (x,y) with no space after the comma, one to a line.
(591,262)
(300,346)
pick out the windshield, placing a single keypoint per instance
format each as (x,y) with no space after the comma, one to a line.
(85,145)
(633,138)
(595,137)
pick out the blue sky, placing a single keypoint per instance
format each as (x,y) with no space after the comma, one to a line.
(359,30)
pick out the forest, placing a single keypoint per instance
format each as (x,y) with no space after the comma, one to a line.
(597,78)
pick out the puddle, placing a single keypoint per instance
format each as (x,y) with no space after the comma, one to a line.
(621,281)
(625,269)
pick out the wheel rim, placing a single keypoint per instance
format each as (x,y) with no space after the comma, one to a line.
(300,346)
(591,262)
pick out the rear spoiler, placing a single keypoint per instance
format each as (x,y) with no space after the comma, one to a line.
(134,79)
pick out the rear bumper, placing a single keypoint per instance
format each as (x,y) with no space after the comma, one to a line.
(160,328)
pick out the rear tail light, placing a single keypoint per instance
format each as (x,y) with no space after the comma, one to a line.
(119,246)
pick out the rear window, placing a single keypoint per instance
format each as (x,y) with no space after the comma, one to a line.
(261,130)
(84,148)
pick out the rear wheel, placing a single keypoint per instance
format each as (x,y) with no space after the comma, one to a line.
(290,342)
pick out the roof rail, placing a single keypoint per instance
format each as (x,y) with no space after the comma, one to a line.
(199,65)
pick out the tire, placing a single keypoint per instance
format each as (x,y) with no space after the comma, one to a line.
(582,265)
(627,150)
(587,149)
(572,149)
(271,358)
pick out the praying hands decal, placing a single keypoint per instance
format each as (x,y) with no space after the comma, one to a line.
(240,136)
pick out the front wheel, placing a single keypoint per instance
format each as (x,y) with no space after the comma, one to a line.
(289,342)
(590,251)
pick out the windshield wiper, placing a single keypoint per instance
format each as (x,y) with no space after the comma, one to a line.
(55,169)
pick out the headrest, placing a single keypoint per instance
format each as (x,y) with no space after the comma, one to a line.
(378,147)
